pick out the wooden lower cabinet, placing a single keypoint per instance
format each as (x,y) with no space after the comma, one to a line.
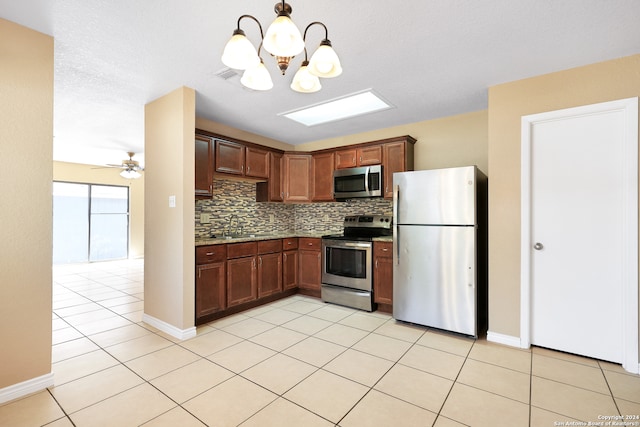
(210,289)
(269,274)
(310,270)
(383,274)
(290,269)
(234,277)
(242,285)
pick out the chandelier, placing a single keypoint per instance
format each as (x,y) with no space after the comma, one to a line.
(284,41)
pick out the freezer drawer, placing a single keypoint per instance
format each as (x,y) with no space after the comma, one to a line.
(435,278)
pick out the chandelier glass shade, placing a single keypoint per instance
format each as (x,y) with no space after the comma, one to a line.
(284,41)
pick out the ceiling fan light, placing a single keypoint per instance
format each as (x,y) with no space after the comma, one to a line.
(130,174)
(257,78)
(325,62)
(304,81)
(239,53)
(283,38)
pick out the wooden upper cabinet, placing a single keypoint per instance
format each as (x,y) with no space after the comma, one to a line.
(367,156)
(276,192)
(229,157)
(257,162)
(203,167)
(346,159)
(397,156)
(362,156)
(297,177)
(322,172)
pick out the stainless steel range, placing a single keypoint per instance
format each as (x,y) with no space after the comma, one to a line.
(347,271)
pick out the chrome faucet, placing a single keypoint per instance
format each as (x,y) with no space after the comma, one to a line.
(235,232)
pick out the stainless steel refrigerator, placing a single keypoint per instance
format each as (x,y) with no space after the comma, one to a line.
(440,249)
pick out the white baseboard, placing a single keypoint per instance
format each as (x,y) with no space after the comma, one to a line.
(26,387)
(504,339)
(181,334)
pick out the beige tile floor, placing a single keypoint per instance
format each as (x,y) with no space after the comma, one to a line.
(295,362)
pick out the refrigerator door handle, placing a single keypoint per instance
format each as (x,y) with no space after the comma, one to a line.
(396,230)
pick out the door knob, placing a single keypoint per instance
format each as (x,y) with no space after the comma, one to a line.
(538,246)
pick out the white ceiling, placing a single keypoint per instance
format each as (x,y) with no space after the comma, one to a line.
(428,58)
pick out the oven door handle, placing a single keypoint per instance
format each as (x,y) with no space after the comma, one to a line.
(364,245)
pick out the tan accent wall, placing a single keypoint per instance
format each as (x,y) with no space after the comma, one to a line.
(169,232)
(26,237)
(231,132)
(459,140)
(605,81)
(74,172)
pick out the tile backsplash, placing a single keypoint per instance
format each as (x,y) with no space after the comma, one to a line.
(239,198)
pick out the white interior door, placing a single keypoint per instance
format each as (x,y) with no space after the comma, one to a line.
(581,235)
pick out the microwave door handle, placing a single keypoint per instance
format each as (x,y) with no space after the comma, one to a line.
(366,180)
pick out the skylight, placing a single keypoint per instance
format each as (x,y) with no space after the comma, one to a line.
(353,105)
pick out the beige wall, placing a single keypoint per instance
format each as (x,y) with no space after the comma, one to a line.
(169,232)
(594,83)
(74,172)
(448,142)
(26,237)
(225,130)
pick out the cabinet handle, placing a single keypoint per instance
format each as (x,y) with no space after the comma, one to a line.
(376,263)
(210,253)
(385,249)
(360,159)
(248,169)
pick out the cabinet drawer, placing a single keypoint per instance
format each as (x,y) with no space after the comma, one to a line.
(211,254)
(309,244)
(269,246)
(289,243)
(383,249)
(239,250)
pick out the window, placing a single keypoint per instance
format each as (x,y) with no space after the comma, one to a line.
(90,222)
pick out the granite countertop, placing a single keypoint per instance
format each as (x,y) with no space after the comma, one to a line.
(383,239)
(253,238)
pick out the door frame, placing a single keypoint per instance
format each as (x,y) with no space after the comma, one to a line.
(629,305)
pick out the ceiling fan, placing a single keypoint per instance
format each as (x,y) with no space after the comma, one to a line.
(130,168)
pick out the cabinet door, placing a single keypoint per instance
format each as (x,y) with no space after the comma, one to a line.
(394,161)
(290,269)
(383,273)
(257,162)
(368,156)
(322,170)
(297,177)
(276,193)
(309,274)
(269,274)
(210,289)
(229,157)
(346,159)
(204,167)
(241,280)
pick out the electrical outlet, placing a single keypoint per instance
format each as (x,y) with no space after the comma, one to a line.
(272,218)
(205,218)
(326,217)
(172,201)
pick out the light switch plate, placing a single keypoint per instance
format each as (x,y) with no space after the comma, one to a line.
(172,201)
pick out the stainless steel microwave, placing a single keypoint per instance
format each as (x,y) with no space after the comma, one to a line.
(357,182)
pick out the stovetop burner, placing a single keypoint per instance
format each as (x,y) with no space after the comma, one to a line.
(364,227)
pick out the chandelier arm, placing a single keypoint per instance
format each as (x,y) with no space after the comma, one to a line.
(257,22)
(326,31)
